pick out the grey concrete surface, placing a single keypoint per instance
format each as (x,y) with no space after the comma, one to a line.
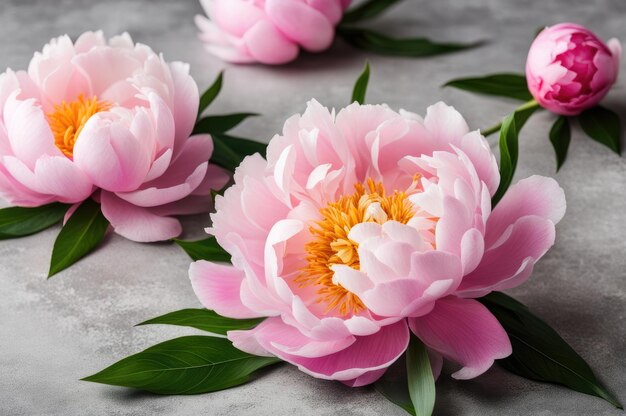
(54,332)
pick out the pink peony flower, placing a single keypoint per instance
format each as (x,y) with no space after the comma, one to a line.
(364,225)
(569,69)
(111,117)
(268,31)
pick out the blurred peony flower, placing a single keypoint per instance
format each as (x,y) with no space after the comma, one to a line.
(374,224)
(109,117)
(569,69)
(268,31)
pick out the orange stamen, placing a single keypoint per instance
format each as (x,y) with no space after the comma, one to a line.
(331,245)
(68,120)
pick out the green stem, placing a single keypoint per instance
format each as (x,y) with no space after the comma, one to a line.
(496,127)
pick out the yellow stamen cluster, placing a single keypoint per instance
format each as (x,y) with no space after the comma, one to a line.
(330,244)
(68,119)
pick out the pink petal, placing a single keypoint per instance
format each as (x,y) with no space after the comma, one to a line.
(164,128)
(216,179)
(54,178)
(233,16)
(28,131)
(160,165)
(536,195)
(268,45)
(196,151)
(153,196)
(301,23)
(331,9)
(89,40)
(472,250)
(185,102)
(136,223)
(16,193)
(445,123)
(120,64)
(506,265)
(59,176)
(365,379)
(477,149)
(464,331)
(58,51)
(364,355)
(456,220)
(113,158)
(287,339)
(218,287)
(224,46)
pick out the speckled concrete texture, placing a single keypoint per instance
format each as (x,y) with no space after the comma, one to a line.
(54,332)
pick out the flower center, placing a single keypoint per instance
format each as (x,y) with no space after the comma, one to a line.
(331,245)
(68,119)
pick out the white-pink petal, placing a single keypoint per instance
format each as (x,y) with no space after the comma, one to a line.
(464,331)
(137,223)
(217,286)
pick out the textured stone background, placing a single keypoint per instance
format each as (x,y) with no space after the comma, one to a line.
(54,332)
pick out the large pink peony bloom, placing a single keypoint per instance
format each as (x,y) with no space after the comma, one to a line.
(569,69)
(368,224)
(268,31)
(109,117)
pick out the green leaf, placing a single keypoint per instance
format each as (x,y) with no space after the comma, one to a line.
(186,365)
(367,10)
(230,151)
(207,249)
(560,137)
(394,386)
(502,85)
(411,47)
(79,236)
(221,123)
(360,86)
(509,146)
(20,222)
(421,382)
(210,94)
(204,320)
(603,126)
(539,353)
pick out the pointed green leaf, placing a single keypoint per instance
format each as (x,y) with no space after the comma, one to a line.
(186,365)
(394,386)
(509,146)
(502,85)
(421,382)
(221,123)
(229,151)
(210,94)
(539,353)
(204,320)
(367,10)
(603,126)
(411,47)
(207,249)
(360,86)
(79,236)
(20,222)
(560,137)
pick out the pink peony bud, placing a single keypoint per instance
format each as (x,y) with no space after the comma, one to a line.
(569,69)
(268,31)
